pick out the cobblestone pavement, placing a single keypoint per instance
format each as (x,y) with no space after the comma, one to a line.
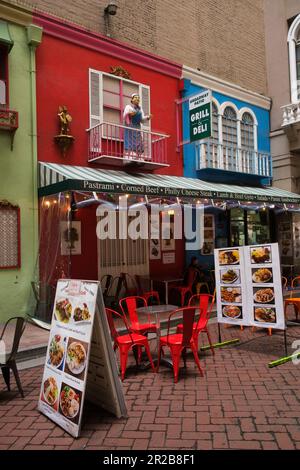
(239,404)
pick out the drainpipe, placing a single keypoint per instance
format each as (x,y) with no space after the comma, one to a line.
(34,38)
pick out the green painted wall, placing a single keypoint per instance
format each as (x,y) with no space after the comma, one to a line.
(17,176)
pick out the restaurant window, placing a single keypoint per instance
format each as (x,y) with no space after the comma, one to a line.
(229,125)
(3,76)
(298,68)
(247,131)
(249,227)
(9,236)
(215,123)
(294,57)
(110,94)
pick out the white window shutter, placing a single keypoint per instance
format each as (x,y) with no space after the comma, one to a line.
(145,103)
(95,99)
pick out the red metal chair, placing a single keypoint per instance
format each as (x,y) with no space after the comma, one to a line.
(188,289)
(179,342)
(205,302)
(148,294)
(126,342)
(128,306)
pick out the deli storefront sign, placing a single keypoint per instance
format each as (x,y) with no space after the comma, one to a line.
(200,116)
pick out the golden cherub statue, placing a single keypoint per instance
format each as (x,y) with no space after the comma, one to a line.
(64,118)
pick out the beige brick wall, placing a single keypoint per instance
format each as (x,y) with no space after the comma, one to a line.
(221,37)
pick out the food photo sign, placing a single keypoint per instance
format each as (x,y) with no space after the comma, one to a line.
(76,315)
(248,282)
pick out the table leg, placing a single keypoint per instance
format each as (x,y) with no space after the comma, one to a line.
(167,293)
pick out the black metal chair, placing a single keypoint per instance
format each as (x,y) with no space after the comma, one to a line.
(9,363)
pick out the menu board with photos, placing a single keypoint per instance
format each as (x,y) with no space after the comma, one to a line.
(67,360)
(248,283)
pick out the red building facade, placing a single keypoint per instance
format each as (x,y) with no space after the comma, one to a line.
(81,71)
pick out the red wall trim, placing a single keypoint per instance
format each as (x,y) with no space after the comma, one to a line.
(78,35)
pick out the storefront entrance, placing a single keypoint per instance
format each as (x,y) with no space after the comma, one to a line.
(119,256)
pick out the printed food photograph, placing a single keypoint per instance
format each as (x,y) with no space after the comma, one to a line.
(231,294)
(229,257)
(265,315)
(230,276)
(56,351)
(63,310)
(76,358)
(262,275)
(81,313)
(264,296)
(261,254)
(50,392)
(69,402)
(232,311)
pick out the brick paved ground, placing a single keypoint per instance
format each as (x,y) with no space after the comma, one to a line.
(239,404)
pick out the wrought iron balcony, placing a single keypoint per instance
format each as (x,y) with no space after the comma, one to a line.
(216,156)
(117,145)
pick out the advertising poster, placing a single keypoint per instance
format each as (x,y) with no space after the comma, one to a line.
(248,282)
(70,238)
(64,379)
(169,258)
(209,235)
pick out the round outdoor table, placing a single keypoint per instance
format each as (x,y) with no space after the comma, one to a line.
(157,310)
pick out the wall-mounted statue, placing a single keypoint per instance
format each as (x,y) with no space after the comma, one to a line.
(64,120)
(63,139)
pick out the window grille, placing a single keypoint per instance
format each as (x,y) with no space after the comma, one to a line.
(9,236)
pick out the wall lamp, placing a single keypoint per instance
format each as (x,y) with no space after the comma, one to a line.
(109,10)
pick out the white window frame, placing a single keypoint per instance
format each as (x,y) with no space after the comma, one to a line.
(99,118)
(292,43)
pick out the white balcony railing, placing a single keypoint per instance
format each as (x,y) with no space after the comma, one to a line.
(211,155)
(117,145)
(291,114)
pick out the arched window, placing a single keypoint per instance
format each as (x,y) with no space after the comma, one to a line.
(229,127)
(215,125)
(247,131)
(294,59)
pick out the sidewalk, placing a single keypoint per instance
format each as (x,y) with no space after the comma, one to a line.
(239,404)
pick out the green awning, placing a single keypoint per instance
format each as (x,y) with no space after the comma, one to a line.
(56,178)
(5,37)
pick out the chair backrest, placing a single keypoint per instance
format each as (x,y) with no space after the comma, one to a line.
(115,287)
(284,282)
(191,276)
(153,298)
(295,282)
(203,301)
(113,331)
(20,324)
(130,304)
(188,317)
(130,284)
(106,281)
